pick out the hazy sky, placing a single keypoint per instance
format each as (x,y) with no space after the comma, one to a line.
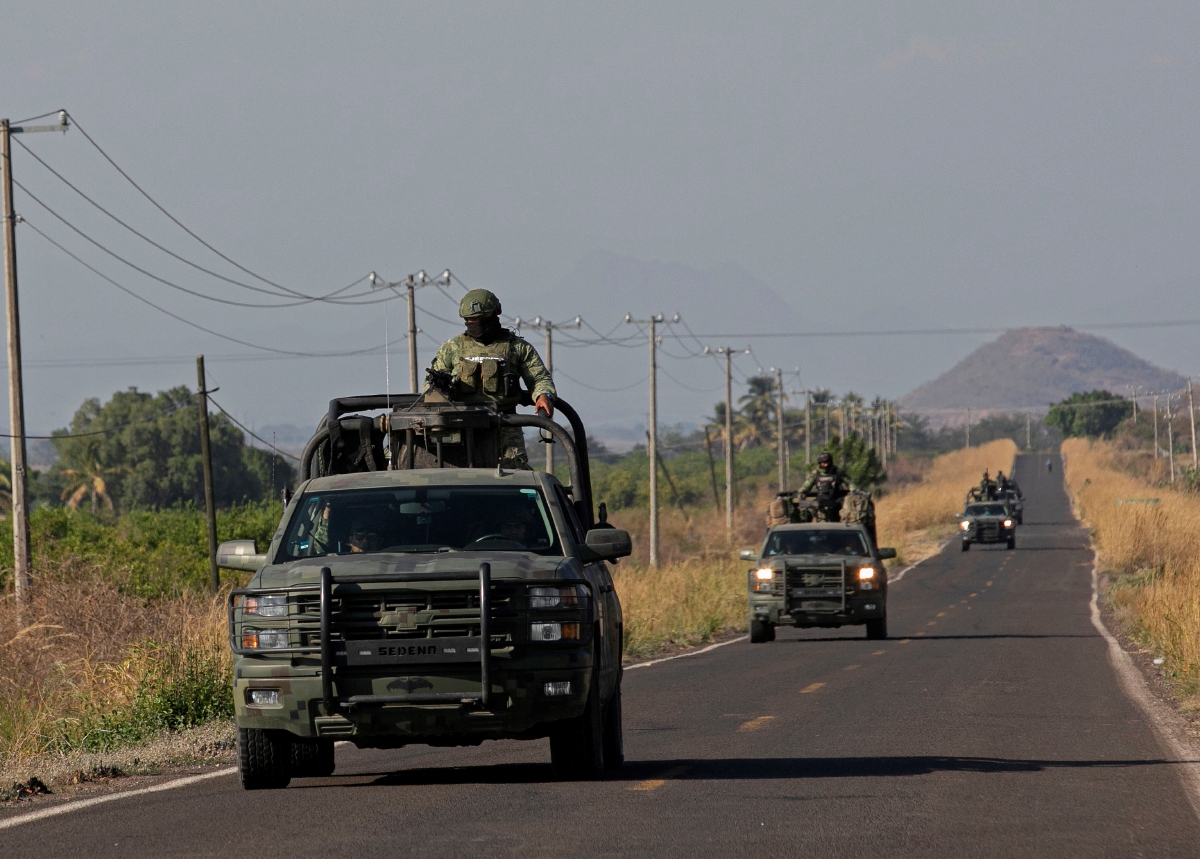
(876,164)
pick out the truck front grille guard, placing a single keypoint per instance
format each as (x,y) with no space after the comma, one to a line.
(325,648)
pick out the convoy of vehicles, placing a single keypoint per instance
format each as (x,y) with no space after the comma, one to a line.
(416,592)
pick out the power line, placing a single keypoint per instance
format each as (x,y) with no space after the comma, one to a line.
(248,432)
(167,250)
(188,322)
(175,220)
(566,375)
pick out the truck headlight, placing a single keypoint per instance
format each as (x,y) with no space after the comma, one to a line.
(567,597)
(964,525)
(264,697)
(1008,523)
(264,639)
(765,574)
(553,632)
(272,605)
(866,573)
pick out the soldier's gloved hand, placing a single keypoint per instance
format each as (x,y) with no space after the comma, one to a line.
(545,404)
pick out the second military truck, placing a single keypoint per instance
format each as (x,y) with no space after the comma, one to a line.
(820,574)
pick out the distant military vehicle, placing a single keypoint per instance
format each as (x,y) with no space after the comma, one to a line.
(1016,503)
(821,574)
(416,592)
(987,522)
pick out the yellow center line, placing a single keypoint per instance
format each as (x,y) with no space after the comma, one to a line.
(918,634)
(849,667)
(905,640)
(655,783)
(941,614)
(989,584)
(879,653)
(932,623)
(975,595)
(811,687)
(755,724)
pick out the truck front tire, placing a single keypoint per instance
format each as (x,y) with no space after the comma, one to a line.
(614,737)
(761,631)
(264,759)
(877,628)
(966,545)
(312,758)
(577,745)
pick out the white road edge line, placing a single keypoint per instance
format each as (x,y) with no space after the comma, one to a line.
(1167,725)
(941,546)
(686,655)
(67,807)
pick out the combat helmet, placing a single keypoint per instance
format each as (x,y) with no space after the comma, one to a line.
(478,302)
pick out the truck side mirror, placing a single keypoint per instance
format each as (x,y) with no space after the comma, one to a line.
(748,555)
(240,555)
(887,554)
(606,544)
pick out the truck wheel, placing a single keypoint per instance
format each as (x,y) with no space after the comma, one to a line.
(966,545)
(312,758)
(1012,542)
(264,759)
(761,630)
(577,745)
(614,737)
(877,628)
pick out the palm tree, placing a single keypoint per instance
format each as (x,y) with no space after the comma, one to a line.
(88,480)
(757,410)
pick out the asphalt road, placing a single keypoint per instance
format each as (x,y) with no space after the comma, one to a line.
(990,724)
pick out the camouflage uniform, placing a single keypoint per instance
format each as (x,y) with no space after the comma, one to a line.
(829,488)
(487,373)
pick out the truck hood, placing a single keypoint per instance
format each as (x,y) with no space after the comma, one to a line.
(505,565)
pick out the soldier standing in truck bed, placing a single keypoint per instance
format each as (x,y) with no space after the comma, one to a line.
(485,364)
(828,485)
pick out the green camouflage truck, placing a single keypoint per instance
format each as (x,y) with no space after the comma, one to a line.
(415,592)
(818,574)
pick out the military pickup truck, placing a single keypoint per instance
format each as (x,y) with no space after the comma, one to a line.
(415,592)
(821,574)
(987,522)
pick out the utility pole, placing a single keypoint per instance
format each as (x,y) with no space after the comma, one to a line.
(729,353)
(210,506)
(807,428)
(968,428)
(1170,439)
(652,449)
(22,567)
(1028,421)
(1192,416)
(779,452)
(1133,397)
(1156,426)
(410,285)
(548,360)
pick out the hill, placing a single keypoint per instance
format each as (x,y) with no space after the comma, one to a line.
(1032,367)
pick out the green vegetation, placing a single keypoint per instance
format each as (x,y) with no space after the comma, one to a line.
(146,454)
(1089,415)
(151,552)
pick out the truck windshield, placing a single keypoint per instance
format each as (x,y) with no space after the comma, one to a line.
(421,519)
(816,543)
(987,510)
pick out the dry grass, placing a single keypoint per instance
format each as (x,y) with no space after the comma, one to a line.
(1151,551)
(87,668)
(915,519)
